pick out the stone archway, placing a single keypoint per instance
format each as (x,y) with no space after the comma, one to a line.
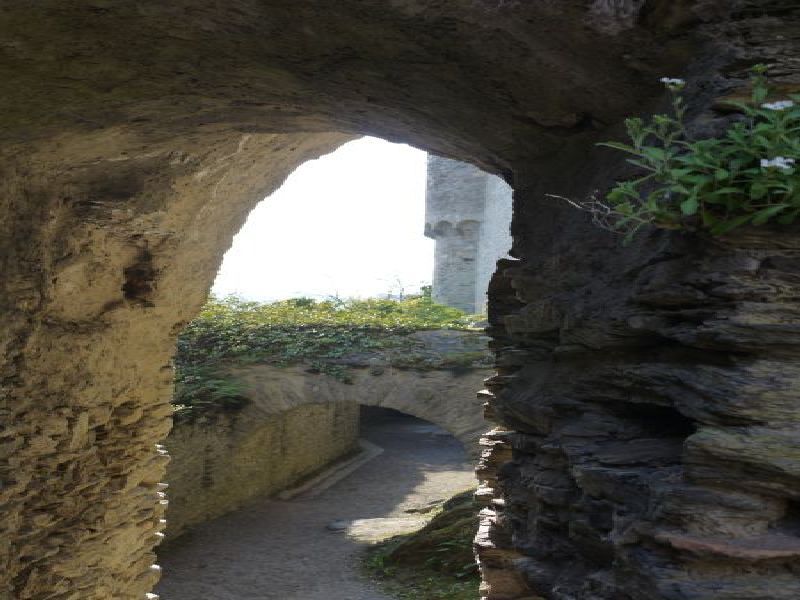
(136,138)
(297,423)
(440,396)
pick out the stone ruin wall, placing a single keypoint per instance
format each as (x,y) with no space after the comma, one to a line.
(646,396)
(295,424)
(445,397)
(221,462)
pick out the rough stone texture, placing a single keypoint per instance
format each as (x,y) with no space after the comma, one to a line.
(668,468)
(443,397)
(630,464)
(91,296)
(298,421)
(223,461)
(468,213)
(647,394)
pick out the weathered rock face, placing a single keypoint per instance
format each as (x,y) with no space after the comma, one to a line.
(648,400)
(443,397)
(667,466)
(645,393)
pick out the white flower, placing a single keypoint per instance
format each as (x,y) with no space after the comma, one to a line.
(780,105)
(673,82)
(779,162)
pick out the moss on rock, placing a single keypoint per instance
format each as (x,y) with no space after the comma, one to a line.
(434,563)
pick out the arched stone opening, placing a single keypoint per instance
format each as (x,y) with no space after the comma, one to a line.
(135,139)
(267,547)
(277,447)
(443,397)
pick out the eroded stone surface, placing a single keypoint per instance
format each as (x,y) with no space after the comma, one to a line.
(443,397)
(222,461)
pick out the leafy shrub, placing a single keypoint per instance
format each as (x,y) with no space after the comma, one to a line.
(199,387)
(748,175)
(300,330)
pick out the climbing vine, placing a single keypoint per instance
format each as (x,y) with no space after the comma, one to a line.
(749,175)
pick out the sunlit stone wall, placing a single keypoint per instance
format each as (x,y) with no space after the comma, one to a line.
(222,461)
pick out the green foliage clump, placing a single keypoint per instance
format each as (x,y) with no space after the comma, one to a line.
(298,331)
(202,387)
(434,563)
(748,175)
(293,330)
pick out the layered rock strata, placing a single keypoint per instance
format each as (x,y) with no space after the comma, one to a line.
(647,393)
(667,468)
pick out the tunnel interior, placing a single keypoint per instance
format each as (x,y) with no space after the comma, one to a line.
(266,547)
(135,139)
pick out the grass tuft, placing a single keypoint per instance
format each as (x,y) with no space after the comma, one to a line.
(434,563)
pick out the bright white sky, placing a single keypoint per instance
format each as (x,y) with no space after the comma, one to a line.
(348,224)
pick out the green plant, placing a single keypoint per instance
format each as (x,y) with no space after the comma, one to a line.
(748,175)
(296,330)
(199,387)
(434,563)
(304,331)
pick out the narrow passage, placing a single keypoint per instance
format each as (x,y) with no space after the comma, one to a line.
(274,550)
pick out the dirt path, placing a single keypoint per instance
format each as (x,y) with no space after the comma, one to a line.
(275,550)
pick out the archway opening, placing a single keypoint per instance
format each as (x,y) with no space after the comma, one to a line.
(134,141)
(297,362)
(312,545)
(347,225)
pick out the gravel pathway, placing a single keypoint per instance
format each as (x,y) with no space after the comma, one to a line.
(275,550)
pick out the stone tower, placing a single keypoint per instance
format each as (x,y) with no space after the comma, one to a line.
(467,213)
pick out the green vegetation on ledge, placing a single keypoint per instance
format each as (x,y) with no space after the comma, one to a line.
(748,175)
(434,563)
(328,336)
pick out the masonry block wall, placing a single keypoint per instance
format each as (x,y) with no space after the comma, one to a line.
(222,461)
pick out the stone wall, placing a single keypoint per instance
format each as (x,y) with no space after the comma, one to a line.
(646,394)
(296,423)
(445,397)
(222,461)
(651,453)
(495,237)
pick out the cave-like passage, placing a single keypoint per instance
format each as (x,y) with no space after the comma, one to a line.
(297,549)
(135,140)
